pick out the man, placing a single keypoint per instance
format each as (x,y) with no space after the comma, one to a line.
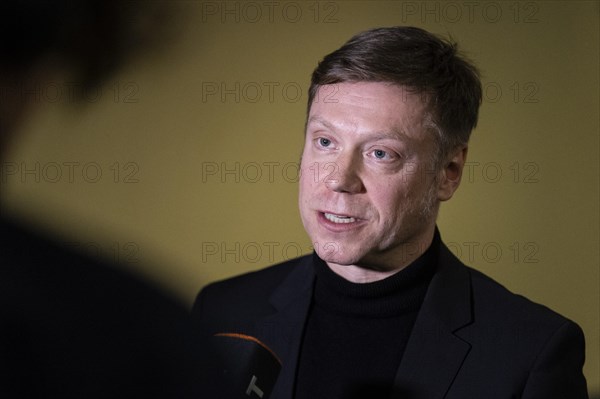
(382,308)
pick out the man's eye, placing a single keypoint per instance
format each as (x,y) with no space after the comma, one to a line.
(379,154)
(323,142)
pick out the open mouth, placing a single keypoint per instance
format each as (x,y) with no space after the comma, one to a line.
(338,218)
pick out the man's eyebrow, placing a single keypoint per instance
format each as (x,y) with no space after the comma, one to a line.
(394,134)
(321,121)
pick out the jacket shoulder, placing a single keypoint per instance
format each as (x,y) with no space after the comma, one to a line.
(242,299)
(489,301)
(545,350)
(494,299)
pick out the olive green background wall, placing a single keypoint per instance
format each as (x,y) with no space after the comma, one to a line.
(183,166)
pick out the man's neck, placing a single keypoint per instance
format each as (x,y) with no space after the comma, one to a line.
(400,259)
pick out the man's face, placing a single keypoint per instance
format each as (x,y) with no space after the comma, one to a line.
(368,191)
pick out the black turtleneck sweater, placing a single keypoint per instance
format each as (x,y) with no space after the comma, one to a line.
(356,333)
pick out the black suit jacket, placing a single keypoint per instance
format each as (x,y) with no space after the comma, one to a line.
(473,339)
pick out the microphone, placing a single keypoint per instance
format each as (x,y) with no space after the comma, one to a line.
(239,366)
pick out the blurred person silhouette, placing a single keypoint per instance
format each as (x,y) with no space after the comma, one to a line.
(72,326)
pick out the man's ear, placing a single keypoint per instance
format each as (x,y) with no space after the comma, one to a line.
(451,173)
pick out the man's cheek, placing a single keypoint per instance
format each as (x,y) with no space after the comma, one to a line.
(310,174)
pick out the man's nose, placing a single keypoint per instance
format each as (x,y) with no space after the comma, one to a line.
(343,175)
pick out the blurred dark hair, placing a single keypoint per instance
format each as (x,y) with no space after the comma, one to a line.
(418,60)
(85,41)
(91,37)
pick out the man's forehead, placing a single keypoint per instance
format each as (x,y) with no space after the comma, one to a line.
(388,110)
(330,93)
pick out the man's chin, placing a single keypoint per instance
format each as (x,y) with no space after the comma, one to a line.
(333,253)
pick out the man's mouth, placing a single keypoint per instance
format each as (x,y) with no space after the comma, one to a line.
(338,218)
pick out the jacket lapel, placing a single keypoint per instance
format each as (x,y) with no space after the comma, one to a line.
(282,331)
(434,354)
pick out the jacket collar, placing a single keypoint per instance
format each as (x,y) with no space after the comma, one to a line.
(283,330)
(434,354)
